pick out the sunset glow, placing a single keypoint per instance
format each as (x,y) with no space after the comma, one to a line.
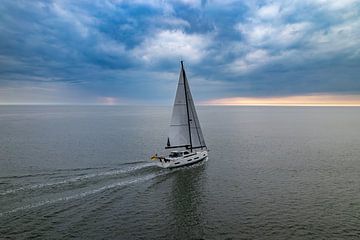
(312,100)
(108,100)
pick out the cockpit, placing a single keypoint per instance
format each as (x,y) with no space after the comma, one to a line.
(177,154)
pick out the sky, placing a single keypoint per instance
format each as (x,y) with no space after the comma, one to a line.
(128,52)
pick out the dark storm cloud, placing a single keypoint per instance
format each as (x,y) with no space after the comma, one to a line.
(131,49)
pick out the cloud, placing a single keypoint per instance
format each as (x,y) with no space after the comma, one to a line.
(77,19)
(172,22)
(250,61)
(173,45)
(270,11)
(130,50)
(276,36)
(297,35)
(335,5)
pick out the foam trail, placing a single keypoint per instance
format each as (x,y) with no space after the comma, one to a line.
(81,195)
(76,179)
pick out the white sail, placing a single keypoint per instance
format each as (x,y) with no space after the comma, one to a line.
(185,130)
(197,137)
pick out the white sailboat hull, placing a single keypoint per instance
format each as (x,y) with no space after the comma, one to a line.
(185,160)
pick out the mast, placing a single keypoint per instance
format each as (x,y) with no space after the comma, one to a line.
(187,104)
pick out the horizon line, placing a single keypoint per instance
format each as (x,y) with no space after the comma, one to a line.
(314,100)
(169,105)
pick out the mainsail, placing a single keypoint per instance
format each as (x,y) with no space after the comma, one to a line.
(185,130)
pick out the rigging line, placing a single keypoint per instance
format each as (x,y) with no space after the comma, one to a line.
(196,127)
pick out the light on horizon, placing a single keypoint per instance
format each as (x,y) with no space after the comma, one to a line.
(301,100)
(108,101)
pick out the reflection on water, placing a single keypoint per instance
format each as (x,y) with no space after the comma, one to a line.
(186,197)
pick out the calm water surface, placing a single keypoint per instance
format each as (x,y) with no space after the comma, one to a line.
(273,173)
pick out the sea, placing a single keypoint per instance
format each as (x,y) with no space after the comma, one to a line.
(84,172)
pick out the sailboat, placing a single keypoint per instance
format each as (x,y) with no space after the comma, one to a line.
(185,133)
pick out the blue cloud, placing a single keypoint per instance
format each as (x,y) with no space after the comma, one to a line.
(131,49)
